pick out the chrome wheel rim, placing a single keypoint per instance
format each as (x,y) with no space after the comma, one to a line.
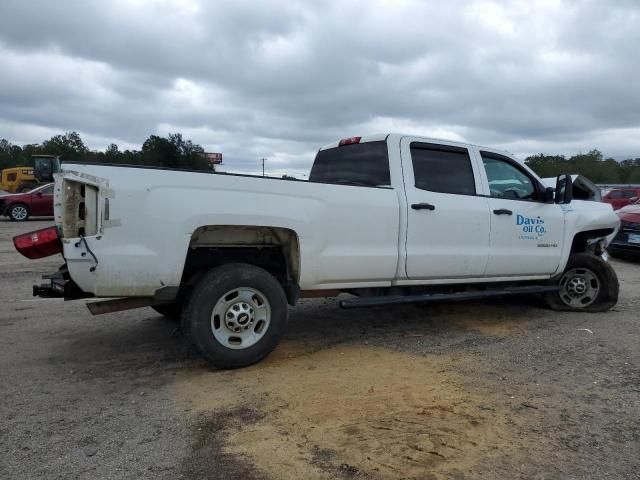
(579,287)
(19,212)
(240,318)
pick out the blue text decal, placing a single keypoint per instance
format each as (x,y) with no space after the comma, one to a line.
(532,227)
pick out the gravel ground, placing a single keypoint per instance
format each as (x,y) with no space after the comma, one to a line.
(501,389)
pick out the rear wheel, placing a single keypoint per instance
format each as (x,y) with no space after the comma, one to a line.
(236,315)
(18,212)
(588,284)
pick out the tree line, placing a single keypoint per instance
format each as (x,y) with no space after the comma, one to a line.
(592,165)
(172,152)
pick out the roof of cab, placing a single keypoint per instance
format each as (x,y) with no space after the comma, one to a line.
(383,136)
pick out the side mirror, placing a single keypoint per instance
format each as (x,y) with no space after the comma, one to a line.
(39,194)
(549,195)
(564,189)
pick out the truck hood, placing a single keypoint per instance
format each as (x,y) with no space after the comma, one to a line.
(589,215)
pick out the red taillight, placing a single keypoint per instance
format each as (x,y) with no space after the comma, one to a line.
(39,244)
(349,141)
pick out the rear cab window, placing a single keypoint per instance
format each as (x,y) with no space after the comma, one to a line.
(359,164)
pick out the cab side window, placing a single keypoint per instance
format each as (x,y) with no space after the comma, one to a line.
(48,190)
(507,180)
(443,169)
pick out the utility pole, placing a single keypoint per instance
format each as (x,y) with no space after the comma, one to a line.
(263,159)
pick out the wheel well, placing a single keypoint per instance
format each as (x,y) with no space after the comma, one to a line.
(581,239)
(11,205)
(273,249)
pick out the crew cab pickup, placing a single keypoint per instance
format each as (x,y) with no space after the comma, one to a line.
(387,219)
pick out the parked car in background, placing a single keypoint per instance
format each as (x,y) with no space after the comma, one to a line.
(619,197)
(20,206)
(627,241)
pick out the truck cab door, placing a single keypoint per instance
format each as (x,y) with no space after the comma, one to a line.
(447,233)
(526,232)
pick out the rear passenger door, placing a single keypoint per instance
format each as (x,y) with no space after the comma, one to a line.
(447,223)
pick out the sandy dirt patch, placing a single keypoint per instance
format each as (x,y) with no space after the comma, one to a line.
(351,411)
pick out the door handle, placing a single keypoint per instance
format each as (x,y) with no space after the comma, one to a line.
(503,211)
(422,206)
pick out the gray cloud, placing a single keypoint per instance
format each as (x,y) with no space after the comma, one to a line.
(278,79)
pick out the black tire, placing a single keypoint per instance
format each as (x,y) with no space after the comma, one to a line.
(213,292)
(169,310)
(586,266)
(18,212)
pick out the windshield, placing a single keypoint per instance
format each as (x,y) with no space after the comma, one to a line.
(41,187)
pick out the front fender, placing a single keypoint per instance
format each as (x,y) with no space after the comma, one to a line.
(587,224)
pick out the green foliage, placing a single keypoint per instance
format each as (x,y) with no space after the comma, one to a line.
(68,146)
(171,152)
(591,164)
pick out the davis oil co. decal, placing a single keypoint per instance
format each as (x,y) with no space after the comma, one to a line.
(531,228)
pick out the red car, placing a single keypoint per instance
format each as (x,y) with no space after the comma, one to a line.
(619,197)
(20,206)
(627,241)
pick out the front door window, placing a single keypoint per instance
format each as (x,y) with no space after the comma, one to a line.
(508,181)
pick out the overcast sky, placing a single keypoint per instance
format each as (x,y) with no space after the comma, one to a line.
(280,78)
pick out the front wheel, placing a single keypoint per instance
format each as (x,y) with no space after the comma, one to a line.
(588,284)
(236,315)
(18,212)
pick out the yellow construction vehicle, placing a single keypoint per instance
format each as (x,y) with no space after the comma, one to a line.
(23,179)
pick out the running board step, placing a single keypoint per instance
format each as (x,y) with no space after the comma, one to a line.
(120,304)
(364,302)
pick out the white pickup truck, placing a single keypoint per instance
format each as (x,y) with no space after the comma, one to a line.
(389,219)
